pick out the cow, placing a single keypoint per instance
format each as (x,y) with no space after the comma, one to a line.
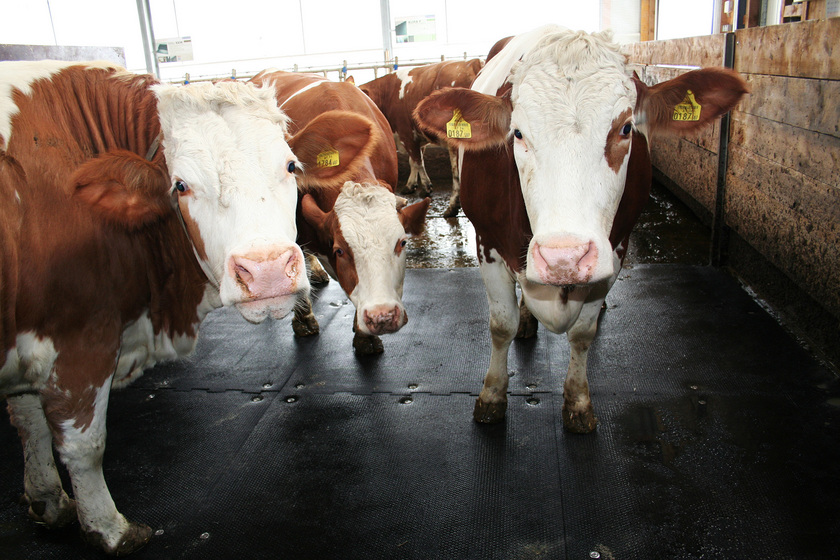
(128,211)
(555,170)
(356,228)
(398,93)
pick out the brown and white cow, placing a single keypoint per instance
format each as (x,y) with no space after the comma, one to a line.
(115,249)
(555,171)
(357,228)
(397,95)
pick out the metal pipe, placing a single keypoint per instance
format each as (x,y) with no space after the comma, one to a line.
(720,233)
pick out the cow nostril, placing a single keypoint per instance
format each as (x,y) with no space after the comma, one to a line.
(243,274)
(292,267)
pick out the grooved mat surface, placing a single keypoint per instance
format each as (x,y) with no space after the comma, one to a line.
(718,437)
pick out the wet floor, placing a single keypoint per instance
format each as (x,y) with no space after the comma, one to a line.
(667,231)
(717,433)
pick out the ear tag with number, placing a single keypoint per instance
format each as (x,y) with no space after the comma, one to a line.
(458,127)
(327,158)
(688,109)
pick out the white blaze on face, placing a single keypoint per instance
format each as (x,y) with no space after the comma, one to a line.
(225,145)
(571,95)
(371,227)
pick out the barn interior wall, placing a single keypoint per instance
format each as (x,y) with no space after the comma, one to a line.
(782,183)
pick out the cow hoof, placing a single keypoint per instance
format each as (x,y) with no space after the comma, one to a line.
(308,326)
(133,539)
(424,192)
(408,190)
(579,422)
(451,212)
(319,277)
(489,413)
(367,345)
(53,518)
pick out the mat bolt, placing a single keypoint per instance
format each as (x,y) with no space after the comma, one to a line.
(533,401)
(291,399)
(406,400)
(300,386)
(266,385)
(594,554)
(694,387)
(256,398)
(531,386)
(204,536)
(413,386)
(159,532)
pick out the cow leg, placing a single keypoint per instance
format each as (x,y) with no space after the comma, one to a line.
(425,187)
(414,174)
(48,503)
(491,405)
(77,420)
(455,196)
(304,322)
(528,324)
(317,274)
(578,414)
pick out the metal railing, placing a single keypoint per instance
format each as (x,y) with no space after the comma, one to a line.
(343,71)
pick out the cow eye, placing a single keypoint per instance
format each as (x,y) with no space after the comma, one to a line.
(339,252)
(291,167)
(626,129)
(181,186)
(518,134)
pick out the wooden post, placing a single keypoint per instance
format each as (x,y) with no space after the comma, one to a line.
(648,20)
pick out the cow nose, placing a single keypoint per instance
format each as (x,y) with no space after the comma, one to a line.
(567,260)
(267,275)
(384,319)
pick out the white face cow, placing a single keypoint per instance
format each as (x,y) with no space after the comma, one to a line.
(234,178)
(368,255)
(571,154)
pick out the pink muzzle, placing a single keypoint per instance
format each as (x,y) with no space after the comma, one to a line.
(565,261)
(268,275)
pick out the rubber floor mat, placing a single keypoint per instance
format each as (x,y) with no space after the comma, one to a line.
(718,438)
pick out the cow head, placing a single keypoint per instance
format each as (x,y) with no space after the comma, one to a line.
(568,108)
(367,229)
(232,176)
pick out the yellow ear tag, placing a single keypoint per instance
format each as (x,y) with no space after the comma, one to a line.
(327,158)
(688,109)
(458,127)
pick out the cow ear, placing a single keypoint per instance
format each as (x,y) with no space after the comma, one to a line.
(465,118)
(312,213)
(332,147)
(413,217)
(689,102)
(350,80)
(123,188)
